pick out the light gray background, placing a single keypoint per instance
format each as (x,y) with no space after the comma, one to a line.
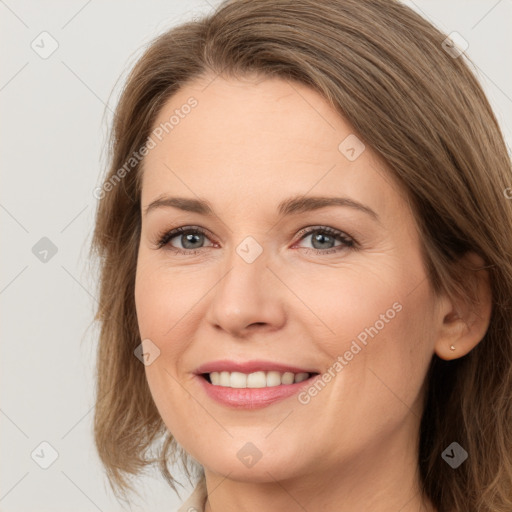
(52,151)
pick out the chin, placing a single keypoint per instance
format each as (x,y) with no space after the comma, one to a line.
(251,464)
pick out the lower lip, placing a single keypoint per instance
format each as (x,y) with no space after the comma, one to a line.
(252,398)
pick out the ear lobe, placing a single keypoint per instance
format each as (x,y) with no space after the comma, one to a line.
(464,324)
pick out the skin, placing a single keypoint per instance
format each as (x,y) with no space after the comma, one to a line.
(246,146)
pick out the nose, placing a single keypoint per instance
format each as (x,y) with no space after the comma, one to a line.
(248,298)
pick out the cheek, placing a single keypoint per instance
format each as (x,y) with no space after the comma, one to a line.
(163,298)
(379,321)
(161,315)
(168,306)
(395,337)
(349,303)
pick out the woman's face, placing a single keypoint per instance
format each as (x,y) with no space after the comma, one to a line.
(263,283)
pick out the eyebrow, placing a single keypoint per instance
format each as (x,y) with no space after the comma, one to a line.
(292,206)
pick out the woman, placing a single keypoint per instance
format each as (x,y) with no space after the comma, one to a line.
(374,373)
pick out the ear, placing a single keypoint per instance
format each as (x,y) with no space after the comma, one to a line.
(462,325)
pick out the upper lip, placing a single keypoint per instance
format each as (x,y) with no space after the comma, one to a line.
(249,367)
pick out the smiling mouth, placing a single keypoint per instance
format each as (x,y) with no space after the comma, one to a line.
(255,380)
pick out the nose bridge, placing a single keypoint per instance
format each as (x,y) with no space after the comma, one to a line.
(245,294)
(246,277)
(250,250)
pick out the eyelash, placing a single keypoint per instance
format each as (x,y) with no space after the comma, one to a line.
(348,242)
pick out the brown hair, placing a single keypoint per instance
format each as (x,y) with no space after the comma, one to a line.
(384,69)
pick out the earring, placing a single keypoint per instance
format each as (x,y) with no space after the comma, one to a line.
(452,347)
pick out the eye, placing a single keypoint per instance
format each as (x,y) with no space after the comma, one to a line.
(190,239)
(324,238)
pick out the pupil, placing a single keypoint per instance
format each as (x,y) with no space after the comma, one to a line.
(320,237)
(189,238)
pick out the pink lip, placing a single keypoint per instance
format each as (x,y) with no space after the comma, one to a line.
(250,367)
(252,398)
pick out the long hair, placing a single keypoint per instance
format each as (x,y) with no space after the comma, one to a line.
(387,71)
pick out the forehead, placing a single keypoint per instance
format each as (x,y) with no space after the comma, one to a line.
(269,111)
(260,140)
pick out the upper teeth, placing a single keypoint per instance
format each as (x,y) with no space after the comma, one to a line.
(256,379)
